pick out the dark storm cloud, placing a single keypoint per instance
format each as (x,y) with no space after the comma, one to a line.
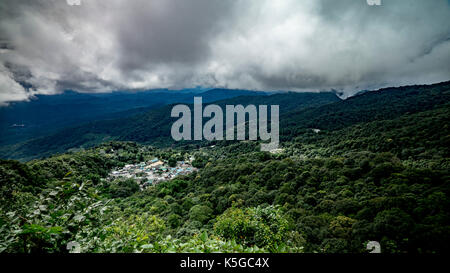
(105,45)
(169,32)
(349,44)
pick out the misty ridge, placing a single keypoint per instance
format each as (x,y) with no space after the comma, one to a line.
(38,115)
(152,125)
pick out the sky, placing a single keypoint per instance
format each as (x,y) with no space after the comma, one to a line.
(48,46)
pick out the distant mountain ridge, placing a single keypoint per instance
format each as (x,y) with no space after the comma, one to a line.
(151,125)
(299,112)
(49,113)
(384,104)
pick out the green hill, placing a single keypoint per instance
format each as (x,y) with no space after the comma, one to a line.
(375,172)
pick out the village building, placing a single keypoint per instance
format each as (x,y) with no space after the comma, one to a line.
(152,172)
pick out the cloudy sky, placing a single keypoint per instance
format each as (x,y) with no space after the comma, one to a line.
(47,46)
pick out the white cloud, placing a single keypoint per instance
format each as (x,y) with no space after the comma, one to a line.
(101,45)
(10,90)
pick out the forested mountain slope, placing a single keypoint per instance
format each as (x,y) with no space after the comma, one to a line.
(423,135)
(149,127)
(46,114)
(299,112)
(380,174)
(383,104)
(327,192)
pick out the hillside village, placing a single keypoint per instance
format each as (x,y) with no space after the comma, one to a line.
(152,172)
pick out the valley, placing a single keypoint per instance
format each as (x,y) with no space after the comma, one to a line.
(374,167)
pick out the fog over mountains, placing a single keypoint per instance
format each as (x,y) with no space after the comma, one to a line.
(48,46)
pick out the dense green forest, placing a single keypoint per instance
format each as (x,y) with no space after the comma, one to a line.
(379,170)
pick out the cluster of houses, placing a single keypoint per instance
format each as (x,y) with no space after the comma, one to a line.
(151,172)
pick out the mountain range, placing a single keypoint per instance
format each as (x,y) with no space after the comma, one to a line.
(150,124)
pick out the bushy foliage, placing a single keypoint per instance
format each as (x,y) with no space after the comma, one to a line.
(265,227)
(123,188)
